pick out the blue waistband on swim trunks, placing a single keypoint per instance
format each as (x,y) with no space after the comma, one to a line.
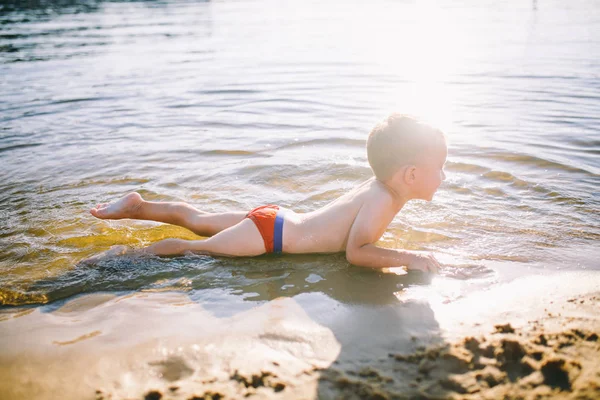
(278,231)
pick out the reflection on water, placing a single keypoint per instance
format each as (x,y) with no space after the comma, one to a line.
(202,102)
(258,279)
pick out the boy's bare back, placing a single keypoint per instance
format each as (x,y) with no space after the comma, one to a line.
(328,229)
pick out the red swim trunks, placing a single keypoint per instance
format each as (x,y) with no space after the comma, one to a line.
(264,219)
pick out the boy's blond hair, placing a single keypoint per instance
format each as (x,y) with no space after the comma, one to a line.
(397,141)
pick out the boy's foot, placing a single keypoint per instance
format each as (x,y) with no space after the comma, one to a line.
(126,207)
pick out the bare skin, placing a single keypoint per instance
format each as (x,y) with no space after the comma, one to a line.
(351,223)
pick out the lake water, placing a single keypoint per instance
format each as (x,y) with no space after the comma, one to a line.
(231,105)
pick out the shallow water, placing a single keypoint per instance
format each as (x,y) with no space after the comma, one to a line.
(230,105)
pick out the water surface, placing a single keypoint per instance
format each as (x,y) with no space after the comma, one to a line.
(231,105)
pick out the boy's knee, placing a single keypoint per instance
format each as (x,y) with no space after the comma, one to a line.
(203,225)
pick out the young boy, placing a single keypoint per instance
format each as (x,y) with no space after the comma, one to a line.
(407,158)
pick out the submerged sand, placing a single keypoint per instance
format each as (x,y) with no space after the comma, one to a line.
(535,337)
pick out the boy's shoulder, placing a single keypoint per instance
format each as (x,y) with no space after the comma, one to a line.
(377,193)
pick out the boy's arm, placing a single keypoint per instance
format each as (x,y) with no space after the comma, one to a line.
(368,226)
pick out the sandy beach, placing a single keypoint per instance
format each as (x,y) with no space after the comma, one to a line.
(523,341)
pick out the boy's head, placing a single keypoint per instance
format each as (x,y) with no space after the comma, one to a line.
(404,151)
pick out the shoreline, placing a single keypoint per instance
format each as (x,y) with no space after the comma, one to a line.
(534,337)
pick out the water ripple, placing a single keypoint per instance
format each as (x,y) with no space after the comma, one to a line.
(201,101)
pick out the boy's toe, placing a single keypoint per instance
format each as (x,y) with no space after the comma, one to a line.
(99,210)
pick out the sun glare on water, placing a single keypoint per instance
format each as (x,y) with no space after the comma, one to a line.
(423,48)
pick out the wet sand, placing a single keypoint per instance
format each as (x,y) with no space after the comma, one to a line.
(554,355)
(535,337)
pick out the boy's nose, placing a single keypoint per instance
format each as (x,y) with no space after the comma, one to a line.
(443,175)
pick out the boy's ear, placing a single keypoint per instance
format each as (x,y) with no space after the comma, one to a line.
(410,174)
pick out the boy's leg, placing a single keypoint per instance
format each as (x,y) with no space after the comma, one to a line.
(241,240)
(175,213)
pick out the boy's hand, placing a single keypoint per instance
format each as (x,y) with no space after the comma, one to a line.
(424,261)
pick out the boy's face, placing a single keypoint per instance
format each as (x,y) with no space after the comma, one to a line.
(430,172)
